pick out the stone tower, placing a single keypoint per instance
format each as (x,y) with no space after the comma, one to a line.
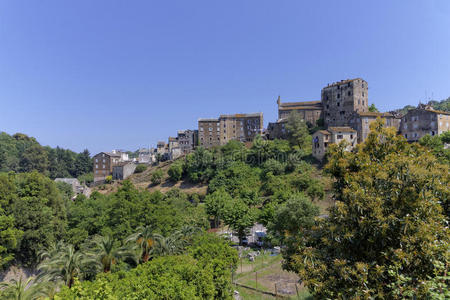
(342,99)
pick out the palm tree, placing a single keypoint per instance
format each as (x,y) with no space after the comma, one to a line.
(106,252)
(22,289)
(64,265)
(170,245)
(144,238)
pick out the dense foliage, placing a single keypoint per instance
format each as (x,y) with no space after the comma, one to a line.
(34,215)
(202,272)
(20,153)
(387,237)
(119,214)
(443,105)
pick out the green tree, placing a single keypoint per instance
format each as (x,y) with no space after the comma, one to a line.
(239,180)
(170,245)
(83,163)
(64,265)
(293,217)
(175,171)
(372,108)
(144,238)
(157,177)
(34,158)
(387,236)
(239,216)
(273,166)
(199,165)
(9,234)
(23,289)
(39,212)
(298,133)
(168,277)
(140,168)
(107,253)
(215,204)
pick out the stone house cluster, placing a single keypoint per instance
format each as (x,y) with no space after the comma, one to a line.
(115,164)
(344,111)
(219,131)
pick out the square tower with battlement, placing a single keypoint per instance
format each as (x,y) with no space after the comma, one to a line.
(341,99)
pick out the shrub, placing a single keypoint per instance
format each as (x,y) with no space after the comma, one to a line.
(108,179)
(175,172)
(140,168)
(157,177)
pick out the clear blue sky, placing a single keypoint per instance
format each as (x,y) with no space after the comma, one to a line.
(124,74)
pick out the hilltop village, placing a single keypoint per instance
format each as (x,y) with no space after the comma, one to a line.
(341,114)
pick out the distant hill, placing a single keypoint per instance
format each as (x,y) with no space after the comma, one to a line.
(443,105)
(21,153)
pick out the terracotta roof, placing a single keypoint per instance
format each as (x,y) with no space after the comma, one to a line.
(324,132)
(300,108)
(439,111)
(301,103)
(259,114)
(341,129)
(374,114)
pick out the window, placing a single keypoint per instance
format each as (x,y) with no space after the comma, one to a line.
(340,136)
(338,96)
(96,166)
(349,93)
(96,171)
(328,106)
(104,167)
(339,103)
(351,136)
(104,160)
(210,128)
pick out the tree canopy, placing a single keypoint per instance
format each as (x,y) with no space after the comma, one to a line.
(387,236)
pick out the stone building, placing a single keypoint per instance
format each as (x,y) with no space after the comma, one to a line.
(77,187)
(422,121)
(277,130)
(333,135)
(123,170)
(174,148)
(161,147)
(146,156)
(241,127)
(103,165)
(360,121)
(208,132)
(341,99)
(187,140)
(309,111)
